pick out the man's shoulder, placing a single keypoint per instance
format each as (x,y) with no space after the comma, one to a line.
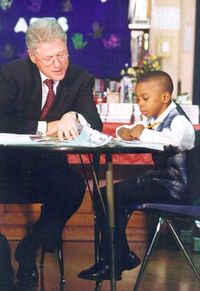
(17,62)
(18,65)
(175,110)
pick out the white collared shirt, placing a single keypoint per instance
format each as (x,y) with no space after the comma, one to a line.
(45,88)
(181,134)
(42,125)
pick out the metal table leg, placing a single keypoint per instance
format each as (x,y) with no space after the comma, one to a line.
(111,217)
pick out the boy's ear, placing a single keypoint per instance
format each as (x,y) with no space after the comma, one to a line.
(166,97)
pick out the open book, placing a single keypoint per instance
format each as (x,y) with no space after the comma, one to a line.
(140,144)
(87,138)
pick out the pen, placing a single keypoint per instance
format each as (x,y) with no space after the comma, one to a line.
(153,125)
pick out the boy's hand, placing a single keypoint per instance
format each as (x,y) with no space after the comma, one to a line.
(125,133)
(131,133)
(136,131)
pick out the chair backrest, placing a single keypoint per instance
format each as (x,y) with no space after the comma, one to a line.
(193,172)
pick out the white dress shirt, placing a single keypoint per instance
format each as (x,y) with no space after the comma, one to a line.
(181,134)
(42,125)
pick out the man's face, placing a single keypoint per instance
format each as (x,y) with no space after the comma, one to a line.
(51,58)
(151,99)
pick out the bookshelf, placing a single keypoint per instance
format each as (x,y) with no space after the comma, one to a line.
(139,17)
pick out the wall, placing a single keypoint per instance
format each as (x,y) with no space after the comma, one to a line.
(187,41)
(179,33)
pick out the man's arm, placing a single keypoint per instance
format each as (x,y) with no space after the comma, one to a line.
(85,104)
(84,107)
(66,127)
(18,113)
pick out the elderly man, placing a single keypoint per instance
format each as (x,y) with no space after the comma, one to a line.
(44,94)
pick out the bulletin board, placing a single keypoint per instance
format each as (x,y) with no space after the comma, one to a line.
(97,30)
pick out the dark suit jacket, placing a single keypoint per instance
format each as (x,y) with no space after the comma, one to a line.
(20,107)
(21,96)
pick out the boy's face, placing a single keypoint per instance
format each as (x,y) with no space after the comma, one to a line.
(151,99)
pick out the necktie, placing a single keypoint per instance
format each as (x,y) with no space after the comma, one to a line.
(50,99)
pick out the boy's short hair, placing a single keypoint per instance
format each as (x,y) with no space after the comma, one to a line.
(162,77)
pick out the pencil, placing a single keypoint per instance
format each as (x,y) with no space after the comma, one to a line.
(153,125)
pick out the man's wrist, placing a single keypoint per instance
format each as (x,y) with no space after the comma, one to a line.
(75,114)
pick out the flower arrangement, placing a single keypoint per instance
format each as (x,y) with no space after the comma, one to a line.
(147,63)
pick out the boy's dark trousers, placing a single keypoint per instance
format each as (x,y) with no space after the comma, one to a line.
(127,195)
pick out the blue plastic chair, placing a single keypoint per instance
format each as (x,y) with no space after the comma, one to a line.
(167,213)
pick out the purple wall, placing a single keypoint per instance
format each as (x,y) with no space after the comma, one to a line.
(98,35)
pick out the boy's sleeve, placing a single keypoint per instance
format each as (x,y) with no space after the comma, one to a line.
(181,134)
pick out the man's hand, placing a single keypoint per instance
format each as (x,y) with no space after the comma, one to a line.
(52,128)
(65,128)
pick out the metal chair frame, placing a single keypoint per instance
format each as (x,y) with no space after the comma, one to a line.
(166,214)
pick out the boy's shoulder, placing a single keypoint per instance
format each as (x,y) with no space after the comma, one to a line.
(172,114)
(181,111)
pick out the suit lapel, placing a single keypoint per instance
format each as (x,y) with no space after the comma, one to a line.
(62,90)
(37,92)
(63,93)
(67,88)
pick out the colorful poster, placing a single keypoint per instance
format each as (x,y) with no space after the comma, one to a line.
(97,30)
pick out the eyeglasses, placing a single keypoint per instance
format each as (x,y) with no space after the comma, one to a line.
(51,60)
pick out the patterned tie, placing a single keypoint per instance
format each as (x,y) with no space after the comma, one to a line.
(50,99)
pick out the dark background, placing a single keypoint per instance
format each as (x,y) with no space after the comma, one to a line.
(98,35)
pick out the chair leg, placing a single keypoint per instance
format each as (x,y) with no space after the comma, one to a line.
(42,258)
(42,282)
(61,263)
(181,246)
(98,285)
(148,253)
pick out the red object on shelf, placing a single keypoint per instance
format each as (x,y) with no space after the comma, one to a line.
(99,98)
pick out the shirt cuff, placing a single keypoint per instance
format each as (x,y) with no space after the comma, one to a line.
(42,128)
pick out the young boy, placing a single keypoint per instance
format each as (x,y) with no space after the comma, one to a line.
(166,123)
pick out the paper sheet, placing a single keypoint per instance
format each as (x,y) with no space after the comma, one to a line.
(138,143)
(87,138)
(11,138)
